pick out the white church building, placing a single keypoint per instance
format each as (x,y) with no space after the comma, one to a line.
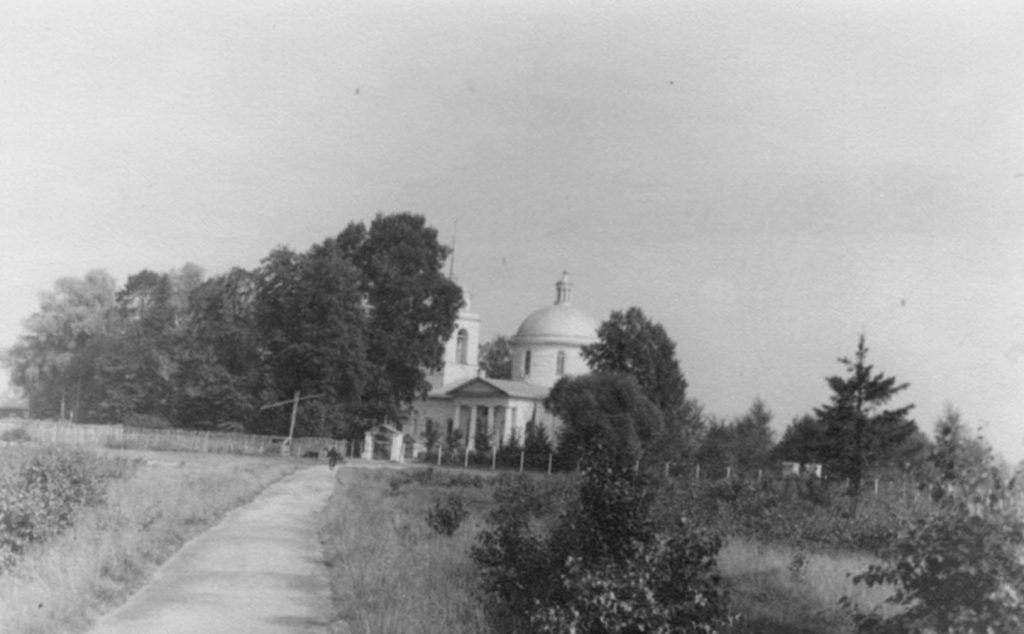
(546,347)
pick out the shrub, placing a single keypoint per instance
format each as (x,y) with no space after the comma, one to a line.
(40,498)
(447,516)
(958,569)
(602,568)
(15,434)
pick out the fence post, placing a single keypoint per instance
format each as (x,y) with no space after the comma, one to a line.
(728,473)
(636,467)
(697,475)
(465,462)
(522,457)
(759,475)
(439,456)
(550,456)
(494,457)
(876,486)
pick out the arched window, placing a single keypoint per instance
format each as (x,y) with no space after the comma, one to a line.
(462,347)
(560,363)
(526,363)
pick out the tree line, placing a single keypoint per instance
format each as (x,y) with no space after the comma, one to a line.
(358,318)
(634,403)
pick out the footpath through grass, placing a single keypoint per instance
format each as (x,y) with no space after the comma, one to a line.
(110,549)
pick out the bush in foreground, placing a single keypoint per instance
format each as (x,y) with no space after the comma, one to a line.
(446,517)
(40,499)
(960,569)
(602,568)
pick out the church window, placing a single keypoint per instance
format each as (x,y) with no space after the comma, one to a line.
(462,347)
(526,363)
(560,363)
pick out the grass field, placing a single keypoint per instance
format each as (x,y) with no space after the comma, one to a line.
(782,590)
(110,550)
(392,573)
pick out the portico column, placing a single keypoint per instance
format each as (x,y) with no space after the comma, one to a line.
(490,422)
(471,441)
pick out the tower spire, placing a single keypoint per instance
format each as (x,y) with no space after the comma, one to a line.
(451,262)
(563,290)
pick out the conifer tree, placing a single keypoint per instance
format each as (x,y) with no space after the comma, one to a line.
(856,426)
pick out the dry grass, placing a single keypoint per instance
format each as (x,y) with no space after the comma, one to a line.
(390,572)
(783,590)
(61,586)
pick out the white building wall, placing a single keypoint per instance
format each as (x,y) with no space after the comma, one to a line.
(544,362)
(454,372)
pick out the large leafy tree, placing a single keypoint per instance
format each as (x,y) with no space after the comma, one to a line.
(805,440)
(410,304)
(858,427)
(47,362)
(221,364)
(605,414)
(630,343)
(310,316)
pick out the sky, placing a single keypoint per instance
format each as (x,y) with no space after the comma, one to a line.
(768,180)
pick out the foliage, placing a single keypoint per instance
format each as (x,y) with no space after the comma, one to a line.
(359,317)
(446,516)
(39,499)
(535,439)
(411,305)
(602,567)
(855,426)
(496,358)
(804,441)
(15,434)
(630,343)
(45,362)
(309,315)
(744,444)
(220,368)
(958,569)
(799,512)
(604,412)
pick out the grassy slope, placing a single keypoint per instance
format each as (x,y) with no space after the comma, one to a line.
(110,551)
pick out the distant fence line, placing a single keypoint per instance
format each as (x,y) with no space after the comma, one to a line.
(540,462)
(119,436)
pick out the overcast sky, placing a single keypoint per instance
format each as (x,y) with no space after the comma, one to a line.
(766,179)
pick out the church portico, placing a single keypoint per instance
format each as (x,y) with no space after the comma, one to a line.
(485,411)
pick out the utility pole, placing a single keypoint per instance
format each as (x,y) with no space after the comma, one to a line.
(295,413)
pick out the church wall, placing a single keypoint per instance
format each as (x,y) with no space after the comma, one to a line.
(454,372)
(544,363)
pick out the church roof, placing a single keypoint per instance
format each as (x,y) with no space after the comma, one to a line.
(559,323)
(512,389)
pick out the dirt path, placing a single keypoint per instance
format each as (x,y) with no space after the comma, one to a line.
(258,571)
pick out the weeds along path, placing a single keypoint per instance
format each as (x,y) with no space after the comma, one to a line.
(259,571)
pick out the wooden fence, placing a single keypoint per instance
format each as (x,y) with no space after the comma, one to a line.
(121,437)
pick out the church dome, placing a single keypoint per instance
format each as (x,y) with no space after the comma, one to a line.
(559,323)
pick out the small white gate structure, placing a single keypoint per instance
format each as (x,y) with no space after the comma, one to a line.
(396,450)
